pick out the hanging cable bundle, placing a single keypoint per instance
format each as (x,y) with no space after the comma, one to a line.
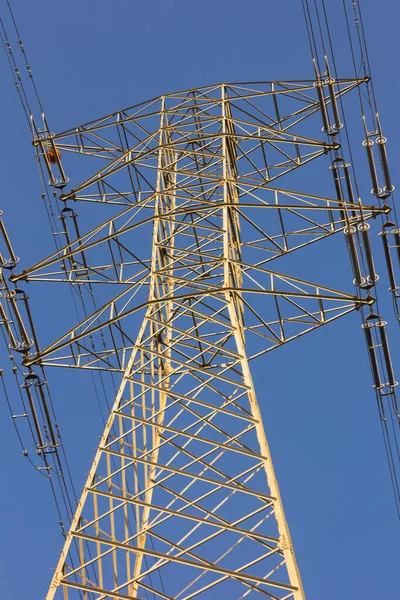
(52,454)
(20,337)
(390,246)
(358,237)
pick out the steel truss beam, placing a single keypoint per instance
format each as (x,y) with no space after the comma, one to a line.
(182,499)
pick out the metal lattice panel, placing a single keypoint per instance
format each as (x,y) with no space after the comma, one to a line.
(182,500)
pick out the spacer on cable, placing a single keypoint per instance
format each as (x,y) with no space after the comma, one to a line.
(364,284)
(10,263)
(372,316)
(61,183)
(349,230)
(368,143)
(379,194)
(338,159)
(388,224)
(371,281)
(381,323)
(31,376)
(21,293)
(336,129)
(364,227)
(381,139)
(331,131)
(26,346)
(67,213)
(392,385)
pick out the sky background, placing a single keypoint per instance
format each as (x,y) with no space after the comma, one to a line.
(91,58)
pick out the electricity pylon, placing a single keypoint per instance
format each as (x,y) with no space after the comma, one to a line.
(182,500)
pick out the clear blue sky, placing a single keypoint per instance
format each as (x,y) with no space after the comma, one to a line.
(95,56)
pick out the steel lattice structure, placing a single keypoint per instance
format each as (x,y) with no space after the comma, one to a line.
(182,500)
